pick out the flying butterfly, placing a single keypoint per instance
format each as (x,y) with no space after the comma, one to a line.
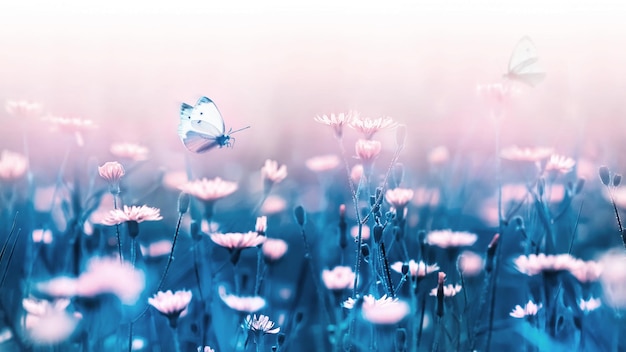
(523,66)
(201,127)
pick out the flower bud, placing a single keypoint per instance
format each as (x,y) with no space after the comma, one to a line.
(378,233)
(365,250)
(617,179)
(605,176)
(183,202)
(300,215)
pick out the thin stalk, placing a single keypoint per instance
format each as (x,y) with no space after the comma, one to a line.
(117,232)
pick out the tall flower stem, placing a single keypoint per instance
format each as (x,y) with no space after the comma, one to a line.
(176,340)
(117,231)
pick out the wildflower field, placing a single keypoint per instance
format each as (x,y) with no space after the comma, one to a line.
(312,211)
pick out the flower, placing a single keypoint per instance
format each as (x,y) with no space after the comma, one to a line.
(365,232)
(12,165)
(322,163)
(367,150)
(470,263)
(209,190)
(23,108)
(75,126)
(586,271)
(398,197)
(237,240)
(416,269)
(272,173)
(589,305)
(111,171)
(157,249)
(171,304)
(426,197)
(134,213)
(536,264)
(205,349)
(356,173)
(448,290)
(261,224)
(613,278)
(273,204)
(529,309)
(274,248)
(448,238)
(560,163)
(494,92)
(526,154)
(339,278)
(368,127)
(42,236)
(132,151)
(48,322)
(262,324)
(249,304)
(439,155)
(102,276)
(336,121)
(385,310)
(175,179)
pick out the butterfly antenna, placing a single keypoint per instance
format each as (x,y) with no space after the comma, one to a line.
(241,129)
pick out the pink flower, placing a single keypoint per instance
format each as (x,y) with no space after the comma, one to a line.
(529,309)
(365,232)
(134,213)
(613,278)
(261,224)
(494,92)
(111,171)
(175,179)
(398,197)
(323,163)
(526,154)
(426,197)
(448,290)
(368,127)
(470,263)
(171,304)
(209,190)
(103,275)
(47,322)
(586,271)
(589,305)
(384,311)
(536,264)
(356,173)
(74,126)
(242,304)
(157,249)
(23,108)
(262,324)
(560,163)
(420,269)
(439,155)
(274,248)
(367,150)
(237,240)
(273,204)
(42,236)
(205,349)
(130,151)
(12,165)
(339,278)
(447,238)
(272,173)
(336,121)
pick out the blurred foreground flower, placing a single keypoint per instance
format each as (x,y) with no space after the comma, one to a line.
(384,311)
(438,156)
(102,276)
(272,174)
(42,236)
(448,290)
(590,304)
(536,264)
(47,322)
(526,154)
(560,163)
(172,305)
(132,151)
(12,165)
(73,126)
(529,309)
(262,324)
(470,263)
(157,249)
(339,278)
(274,249)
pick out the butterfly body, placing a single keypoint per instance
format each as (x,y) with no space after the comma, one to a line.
(523,66)
(201,127)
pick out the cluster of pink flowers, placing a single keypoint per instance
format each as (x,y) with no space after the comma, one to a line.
(339,278)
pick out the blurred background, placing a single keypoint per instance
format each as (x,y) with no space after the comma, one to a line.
(274,65)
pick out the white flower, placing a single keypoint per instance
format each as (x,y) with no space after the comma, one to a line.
(529,309)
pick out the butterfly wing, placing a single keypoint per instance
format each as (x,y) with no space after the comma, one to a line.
(206,116)
(198,142)
(523,64)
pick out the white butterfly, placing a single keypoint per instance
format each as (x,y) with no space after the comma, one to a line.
(523,66)
(201,127)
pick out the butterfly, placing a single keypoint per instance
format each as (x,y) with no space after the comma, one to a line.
(523,66)
(201,127)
